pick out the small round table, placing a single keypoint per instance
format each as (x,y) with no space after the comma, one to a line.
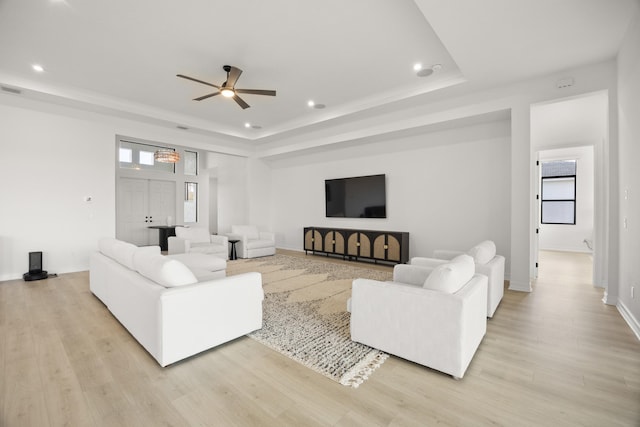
(233,254)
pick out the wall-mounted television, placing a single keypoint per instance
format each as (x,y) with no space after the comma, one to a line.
(356,197)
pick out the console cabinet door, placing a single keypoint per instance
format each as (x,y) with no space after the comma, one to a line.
(312,240)
(334,242)
(386,247)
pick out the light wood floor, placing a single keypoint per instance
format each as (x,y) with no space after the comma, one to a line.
(554,357)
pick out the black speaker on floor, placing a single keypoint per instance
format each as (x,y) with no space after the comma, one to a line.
(35,268)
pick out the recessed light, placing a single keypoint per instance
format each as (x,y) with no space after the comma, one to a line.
(319,106)
(247,125)
(256,127)
(417,67)
(37,67)
(424,72)
(182,127)
(311,104)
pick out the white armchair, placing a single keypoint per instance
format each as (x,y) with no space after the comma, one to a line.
(198,240)
(252,243)
(487,263)
(432,316)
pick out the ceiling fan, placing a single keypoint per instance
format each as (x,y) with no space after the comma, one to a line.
(228,89)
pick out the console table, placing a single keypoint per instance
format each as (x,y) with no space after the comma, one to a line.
(164,232)
(386,246)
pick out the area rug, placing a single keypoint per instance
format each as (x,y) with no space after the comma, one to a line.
(305,314)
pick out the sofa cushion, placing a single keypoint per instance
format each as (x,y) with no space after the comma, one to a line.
(251,231)
(163,270)
(124,253)
(483,252)
(258,244)
(200,262)
(452,276)
(194,235)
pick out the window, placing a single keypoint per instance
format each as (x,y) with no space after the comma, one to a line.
(146,158)
(126,155)
(190,163)
(133,155)
(558,192)
(190,202)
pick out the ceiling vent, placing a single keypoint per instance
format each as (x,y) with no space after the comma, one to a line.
(566,82)
(11,90)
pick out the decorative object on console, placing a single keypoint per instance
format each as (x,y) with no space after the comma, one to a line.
(387,246)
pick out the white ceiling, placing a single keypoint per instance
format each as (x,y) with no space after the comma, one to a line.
(121,56)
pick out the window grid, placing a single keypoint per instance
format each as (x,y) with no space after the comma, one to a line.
(558,210)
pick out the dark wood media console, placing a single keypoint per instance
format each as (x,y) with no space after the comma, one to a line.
(385,246)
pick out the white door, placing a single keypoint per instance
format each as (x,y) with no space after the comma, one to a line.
(536,213)
(162,202)
(143,203)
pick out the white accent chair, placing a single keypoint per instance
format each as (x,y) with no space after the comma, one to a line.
(487,263)
(198,240)
(252,242)
(433,316)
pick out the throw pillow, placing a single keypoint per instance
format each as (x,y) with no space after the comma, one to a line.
(164,271)
(452,276)
(483,252)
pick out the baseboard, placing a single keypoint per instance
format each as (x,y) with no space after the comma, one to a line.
(520,286)
(629,318)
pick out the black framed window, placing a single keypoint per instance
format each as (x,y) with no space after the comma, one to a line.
(558,192)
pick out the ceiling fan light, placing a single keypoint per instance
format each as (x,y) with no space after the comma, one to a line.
(227,93)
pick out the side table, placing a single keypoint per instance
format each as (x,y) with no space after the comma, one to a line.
(233,254)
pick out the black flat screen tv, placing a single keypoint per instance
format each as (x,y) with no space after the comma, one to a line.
(356,197)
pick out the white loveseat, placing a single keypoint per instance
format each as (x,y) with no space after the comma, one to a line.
(487,262)
(434,316)
(161,303)
(198,240)
(252,243)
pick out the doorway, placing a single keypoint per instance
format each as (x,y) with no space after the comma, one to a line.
(575,129)
(143,203)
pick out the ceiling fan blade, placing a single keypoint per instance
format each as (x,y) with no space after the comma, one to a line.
(234,75)
(257,92)
(196,80)
(206,96)
(240,102)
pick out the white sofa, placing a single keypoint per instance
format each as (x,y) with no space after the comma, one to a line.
(160,301)
(198,240)
(434,316)
(252,243)
(487,262)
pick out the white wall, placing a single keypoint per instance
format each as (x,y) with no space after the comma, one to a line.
(233,193)
(54,156)
(448,189)
(564,237)
(629,174)
(49,164)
